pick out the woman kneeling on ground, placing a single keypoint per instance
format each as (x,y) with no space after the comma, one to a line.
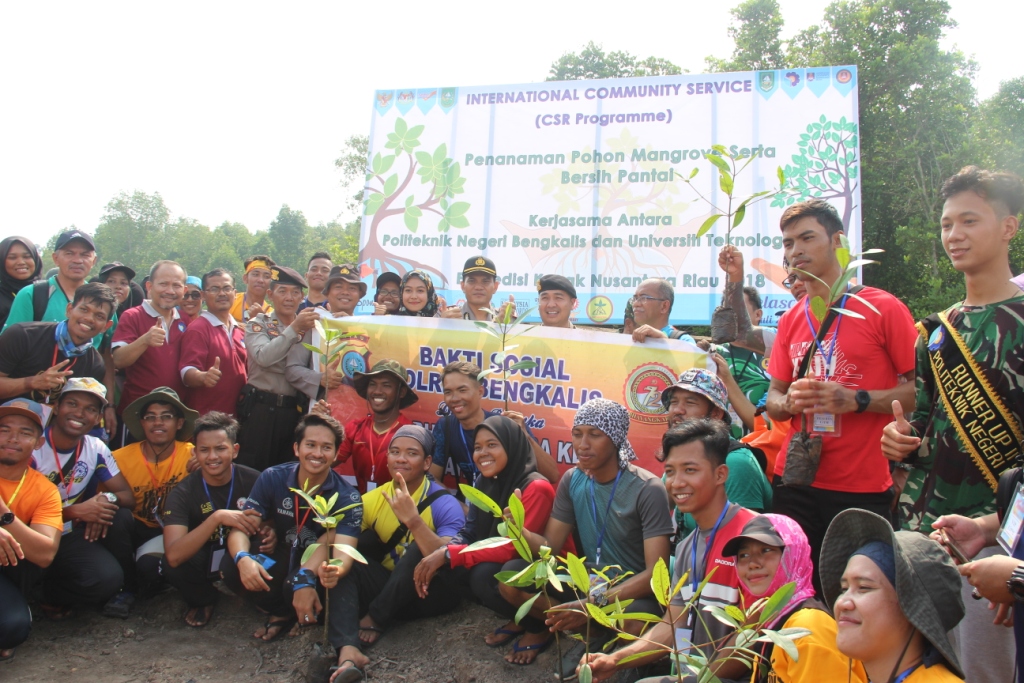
(771,552)
(896,597)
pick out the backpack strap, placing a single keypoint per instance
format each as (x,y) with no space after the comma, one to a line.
(40,299)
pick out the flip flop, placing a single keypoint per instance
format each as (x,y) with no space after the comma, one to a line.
(512,635)
(370,643)
(346,675)
(284,624)
(539,648)
(207,611)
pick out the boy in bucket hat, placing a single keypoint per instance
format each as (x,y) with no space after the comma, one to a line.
(387,392)
(700,394)
(896,597)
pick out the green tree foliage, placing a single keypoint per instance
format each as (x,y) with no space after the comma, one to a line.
(757,35)
(290,234)
(352,164)
(592,62)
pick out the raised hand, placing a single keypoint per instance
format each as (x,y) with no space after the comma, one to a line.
(897,437)
(155,336)
(51,378)
(379,309)
(305,320)
(730,259)
(402,503)
(212,376)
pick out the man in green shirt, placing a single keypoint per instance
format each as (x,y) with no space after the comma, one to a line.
(700,394)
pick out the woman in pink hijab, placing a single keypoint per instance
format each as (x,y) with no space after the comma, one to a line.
(771,552)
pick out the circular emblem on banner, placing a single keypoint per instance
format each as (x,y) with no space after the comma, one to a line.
(352,362)
(599,309)
(935,341)
(844,75)
(642,392)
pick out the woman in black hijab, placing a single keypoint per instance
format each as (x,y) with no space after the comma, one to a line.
(503,455)
(21,267)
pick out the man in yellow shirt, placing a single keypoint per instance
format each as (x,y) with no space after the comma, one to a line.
(251,302)
(154,465)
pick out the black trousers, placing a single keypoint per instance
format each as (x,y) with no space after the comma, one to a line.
(387,595)
(267,435)
(343,620)
(192,578)
(814,509)
(88,572)
(124,536)
(15,617)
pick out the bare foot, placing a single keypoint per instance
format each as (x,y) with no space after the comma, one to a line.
(199,616)
(503,635)
(526,649)
(369,631)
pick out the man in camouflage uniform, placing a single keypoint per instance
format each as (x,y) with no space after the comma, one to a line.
(269,407)
(948,476)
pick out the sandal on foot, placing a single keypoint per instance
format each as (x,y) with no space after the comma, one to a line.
(509,634)
(206,611)
(539,648)
(375,629)
(282,626)
(347,674)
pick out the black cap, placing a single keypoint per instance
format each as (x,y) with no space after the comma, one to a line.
(346,272)
(385,278)
(116,265)
(556,283)
(283,275)
(757,529)
(479,264)
(69,235)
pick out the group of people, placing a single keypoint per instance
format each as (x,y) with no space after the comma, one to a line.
(164,439)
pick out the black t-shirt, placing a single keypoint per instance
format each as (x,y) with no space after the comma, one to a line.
(27,349)
(188,505)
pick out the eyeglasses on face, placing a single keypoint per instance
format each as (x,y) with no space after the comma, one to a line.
(789,281)
(644,299)
(162,417)
(390,293)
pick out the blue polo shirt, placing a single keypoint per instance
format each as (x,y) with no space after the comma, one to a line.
(273,498)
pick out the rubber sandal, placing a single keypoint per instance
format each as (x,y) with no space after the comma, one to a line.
(206,610)
(370,643)
(346,675)
(285,624)
(539,648)
(512,635)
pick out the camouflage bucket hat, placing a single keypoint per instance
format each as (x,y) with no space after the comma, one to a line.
(361,380)
(705,383)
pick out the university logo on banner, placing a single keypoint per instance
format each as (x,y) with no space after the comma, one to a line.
(449,96)
(818,80)
(844,78)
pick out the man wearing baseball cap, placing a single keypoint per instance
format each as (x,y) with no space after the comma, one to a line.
(96,498)
(556,300)
(30,519)
(697,395)
(479,284)
(269,407)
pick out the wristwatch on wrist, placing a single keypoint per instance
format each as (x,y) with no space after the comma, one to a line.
(1016,583)
(447,555)
(112,497)
(863,400)
(6,518)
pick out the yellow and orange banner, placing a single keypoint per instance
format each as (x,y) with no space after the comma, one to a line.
(573,366)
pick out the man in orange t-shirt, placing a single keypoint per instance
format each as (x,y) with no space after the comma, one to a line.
(153,466)
(31,519)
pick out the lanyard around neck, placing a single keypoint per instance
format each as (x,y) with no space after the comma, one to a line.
(607,509)
(835,335)
(18,489)
(62,478)
(152,473)
(231,490)
(698,575)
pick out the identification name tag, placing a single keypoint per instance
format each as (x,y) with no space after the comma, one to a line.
(1013,523)
(826,424)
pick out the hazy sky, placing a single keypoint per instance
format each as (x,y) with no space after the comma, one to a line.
(231,109)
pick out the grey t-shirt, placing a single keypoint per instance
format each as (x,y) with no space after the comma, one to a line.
(639,510)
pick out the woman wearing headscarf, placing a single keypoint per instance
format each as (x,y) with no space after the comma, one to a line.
(418,295)
(771,552)
(504,457)
(895,596)
(21,267)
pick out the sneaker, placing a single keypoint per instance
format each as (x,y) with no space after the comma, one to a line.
(119,606)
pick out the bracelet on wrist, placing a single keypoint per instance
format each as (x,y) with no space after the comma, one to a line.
(304,578)
(241,554)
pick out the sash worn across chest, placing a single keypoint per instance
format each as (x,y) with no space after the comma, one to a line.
(990,433)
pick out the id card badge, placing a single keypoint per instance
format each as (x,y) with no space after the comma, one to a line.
(370,486)
(684,637)
(215,559)
(827,424)
(1013,523)
(67,528)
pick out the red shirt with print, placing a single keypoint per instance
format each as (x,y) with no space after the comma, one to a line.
(868,354)
(368,450)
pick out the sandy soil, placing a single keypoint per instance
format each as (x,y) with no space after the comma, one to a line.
(155,646)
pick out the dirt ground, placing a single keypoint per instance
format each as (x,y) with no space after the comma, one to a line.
(155,646)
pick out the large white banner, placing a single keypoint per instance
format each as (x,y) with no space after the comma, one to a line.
(588,179)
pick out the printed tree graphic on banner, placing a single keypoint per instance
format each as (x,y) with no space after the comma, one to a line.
(826,168)
(388,195)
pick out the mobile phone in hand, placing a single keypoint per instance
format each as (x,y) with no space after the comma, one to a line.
(952,548)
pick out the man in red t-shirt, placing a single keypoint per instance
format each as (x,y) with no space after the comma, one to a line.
(386,390)
(148,338)
(860,367)
(213,357)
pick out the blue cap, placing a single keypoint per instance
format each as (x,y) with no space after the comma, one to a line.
(25,408)
(194,281)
